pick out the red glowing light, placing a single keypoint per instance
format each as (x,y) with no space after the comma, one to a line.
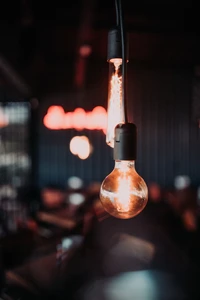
(3,119)
(54,117)
(79,118)
(67,123)
(99,117)
(57,119)
(89,121)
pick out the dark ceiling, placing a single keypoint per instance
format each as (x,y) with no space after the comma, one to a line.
(140,15)
(41,40)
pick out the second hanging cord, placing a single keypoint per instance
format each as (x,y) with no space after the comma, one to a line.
(120,23)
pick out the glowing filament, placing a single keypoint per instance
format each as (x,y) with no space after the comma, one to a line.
(115,109)
(123,195)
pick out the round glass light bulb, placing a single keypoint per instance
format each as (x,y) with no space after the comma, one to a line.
(123,192)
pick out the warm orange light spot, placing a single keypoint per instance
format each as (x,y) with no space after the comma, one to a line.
(67,124)
(89,124)
(80,146)
(100,117)
(56,119)
(78,119)
(56,110)
(3,119)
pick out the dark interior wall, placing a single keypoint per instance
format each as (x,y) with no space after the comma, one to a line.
(168,137)
(160,103)
(56,163)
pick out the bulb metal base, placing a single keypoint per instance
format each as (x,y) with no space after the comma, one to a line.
(114,49)
(125,144)
(114,44)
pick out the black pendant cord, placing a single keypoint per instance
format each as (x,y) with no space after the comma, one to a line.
(120,23)
(117,12)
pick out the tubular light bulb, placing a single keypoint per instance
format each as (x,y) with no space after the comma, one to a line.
(115,111)
(124,193)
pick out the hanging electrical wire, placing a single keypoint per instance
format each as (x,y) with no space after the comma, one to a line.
(120,23)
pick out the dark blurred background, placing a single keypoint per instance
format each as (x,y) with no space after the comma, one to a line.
(55,54)
(41,62)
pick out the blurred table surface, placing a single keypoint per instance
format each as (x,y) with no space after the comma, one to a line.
(35,273)
(18,247)
(43,272)
(60,218)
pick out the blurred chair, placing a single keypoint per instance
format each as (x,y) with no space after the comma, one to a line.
(52,198)
(2,272)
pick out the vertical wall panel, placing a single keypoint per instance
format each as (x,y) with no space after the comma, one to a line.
(161,108)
